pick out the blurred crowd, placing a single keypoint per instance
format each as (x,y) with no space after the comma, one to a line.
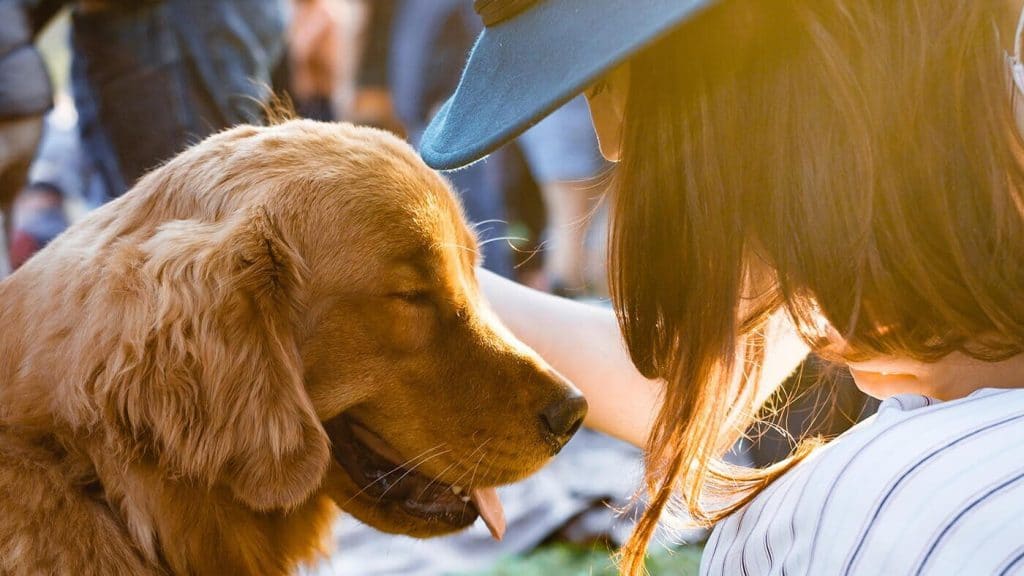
(126,84)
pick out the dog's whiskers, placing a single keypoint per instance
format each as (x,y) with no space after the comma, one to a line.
(409,471)
(459,246)
(458,481)
(484,222)
(435,480)
(400,467)
(489,465)
(469,457)
(472,478)
(509,239)
(456,463)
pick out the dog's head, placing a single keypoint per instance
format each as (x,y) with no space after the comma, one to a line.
(304,316)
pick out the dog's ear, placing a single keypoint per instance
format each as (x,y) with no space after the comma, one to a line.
(208,378)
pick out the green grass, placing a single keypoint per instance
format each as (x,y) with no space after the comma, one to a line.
(569,560)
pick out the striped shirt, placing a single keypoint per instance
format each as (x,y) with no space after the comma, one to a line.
(921,488)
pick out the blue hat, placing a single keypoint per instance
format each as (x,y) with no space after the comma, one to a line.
(534,56)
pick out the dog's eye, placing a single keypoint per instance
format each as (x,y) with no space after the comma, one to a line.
(413,296)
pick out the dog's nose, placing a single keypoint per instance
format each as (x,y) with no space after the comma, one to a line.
(564,417)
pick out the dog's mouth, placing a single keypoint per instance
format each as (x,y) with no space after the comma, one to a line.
(382,474)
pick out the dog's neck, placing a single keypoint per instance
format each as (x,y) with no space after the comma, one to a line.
(193,529)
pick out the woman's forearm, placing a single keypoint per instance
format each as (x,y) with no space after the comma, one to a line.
(583,343)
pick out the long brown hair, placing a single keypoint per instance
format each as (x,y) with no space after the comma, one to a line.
(845,160)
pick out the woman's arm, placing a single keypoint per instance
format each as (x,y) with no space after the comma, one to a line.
(584,344)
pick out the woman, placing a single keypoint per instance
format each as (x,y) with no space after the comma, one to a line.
(849,168)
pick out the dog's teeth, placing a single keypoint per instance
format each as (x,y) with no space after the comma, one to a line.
(465,499)
(457,490)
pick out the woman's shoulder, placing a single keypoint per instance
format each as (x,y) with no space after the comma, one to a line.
(921,487)
(912,419)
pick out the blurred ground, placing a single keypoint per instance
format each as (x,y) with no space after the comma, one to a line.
(568,560)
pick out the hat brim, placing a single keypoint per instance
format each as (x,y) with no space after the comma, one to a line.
(523,69)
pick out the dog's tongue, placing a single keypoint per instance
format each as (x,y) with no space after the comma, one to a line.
(489,505)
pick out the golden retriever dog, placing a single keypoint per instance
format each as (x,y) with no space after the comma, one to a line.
(278,323)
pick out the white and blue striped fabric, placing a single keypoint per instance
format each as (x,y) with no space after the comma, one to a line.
(921,488)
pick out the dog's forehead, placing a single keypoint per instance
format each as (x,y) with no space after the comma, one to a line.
(366,190)
(431,204)
(433,236)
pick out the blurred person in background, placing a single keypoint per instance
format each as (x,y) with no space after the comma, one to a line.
(25,94)
(563,156)
(62,184)
(372,104)
(315,65)
(150,77)
(38,218)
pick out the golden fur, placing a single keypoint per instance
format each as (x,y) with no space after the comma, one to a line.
(168,365)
